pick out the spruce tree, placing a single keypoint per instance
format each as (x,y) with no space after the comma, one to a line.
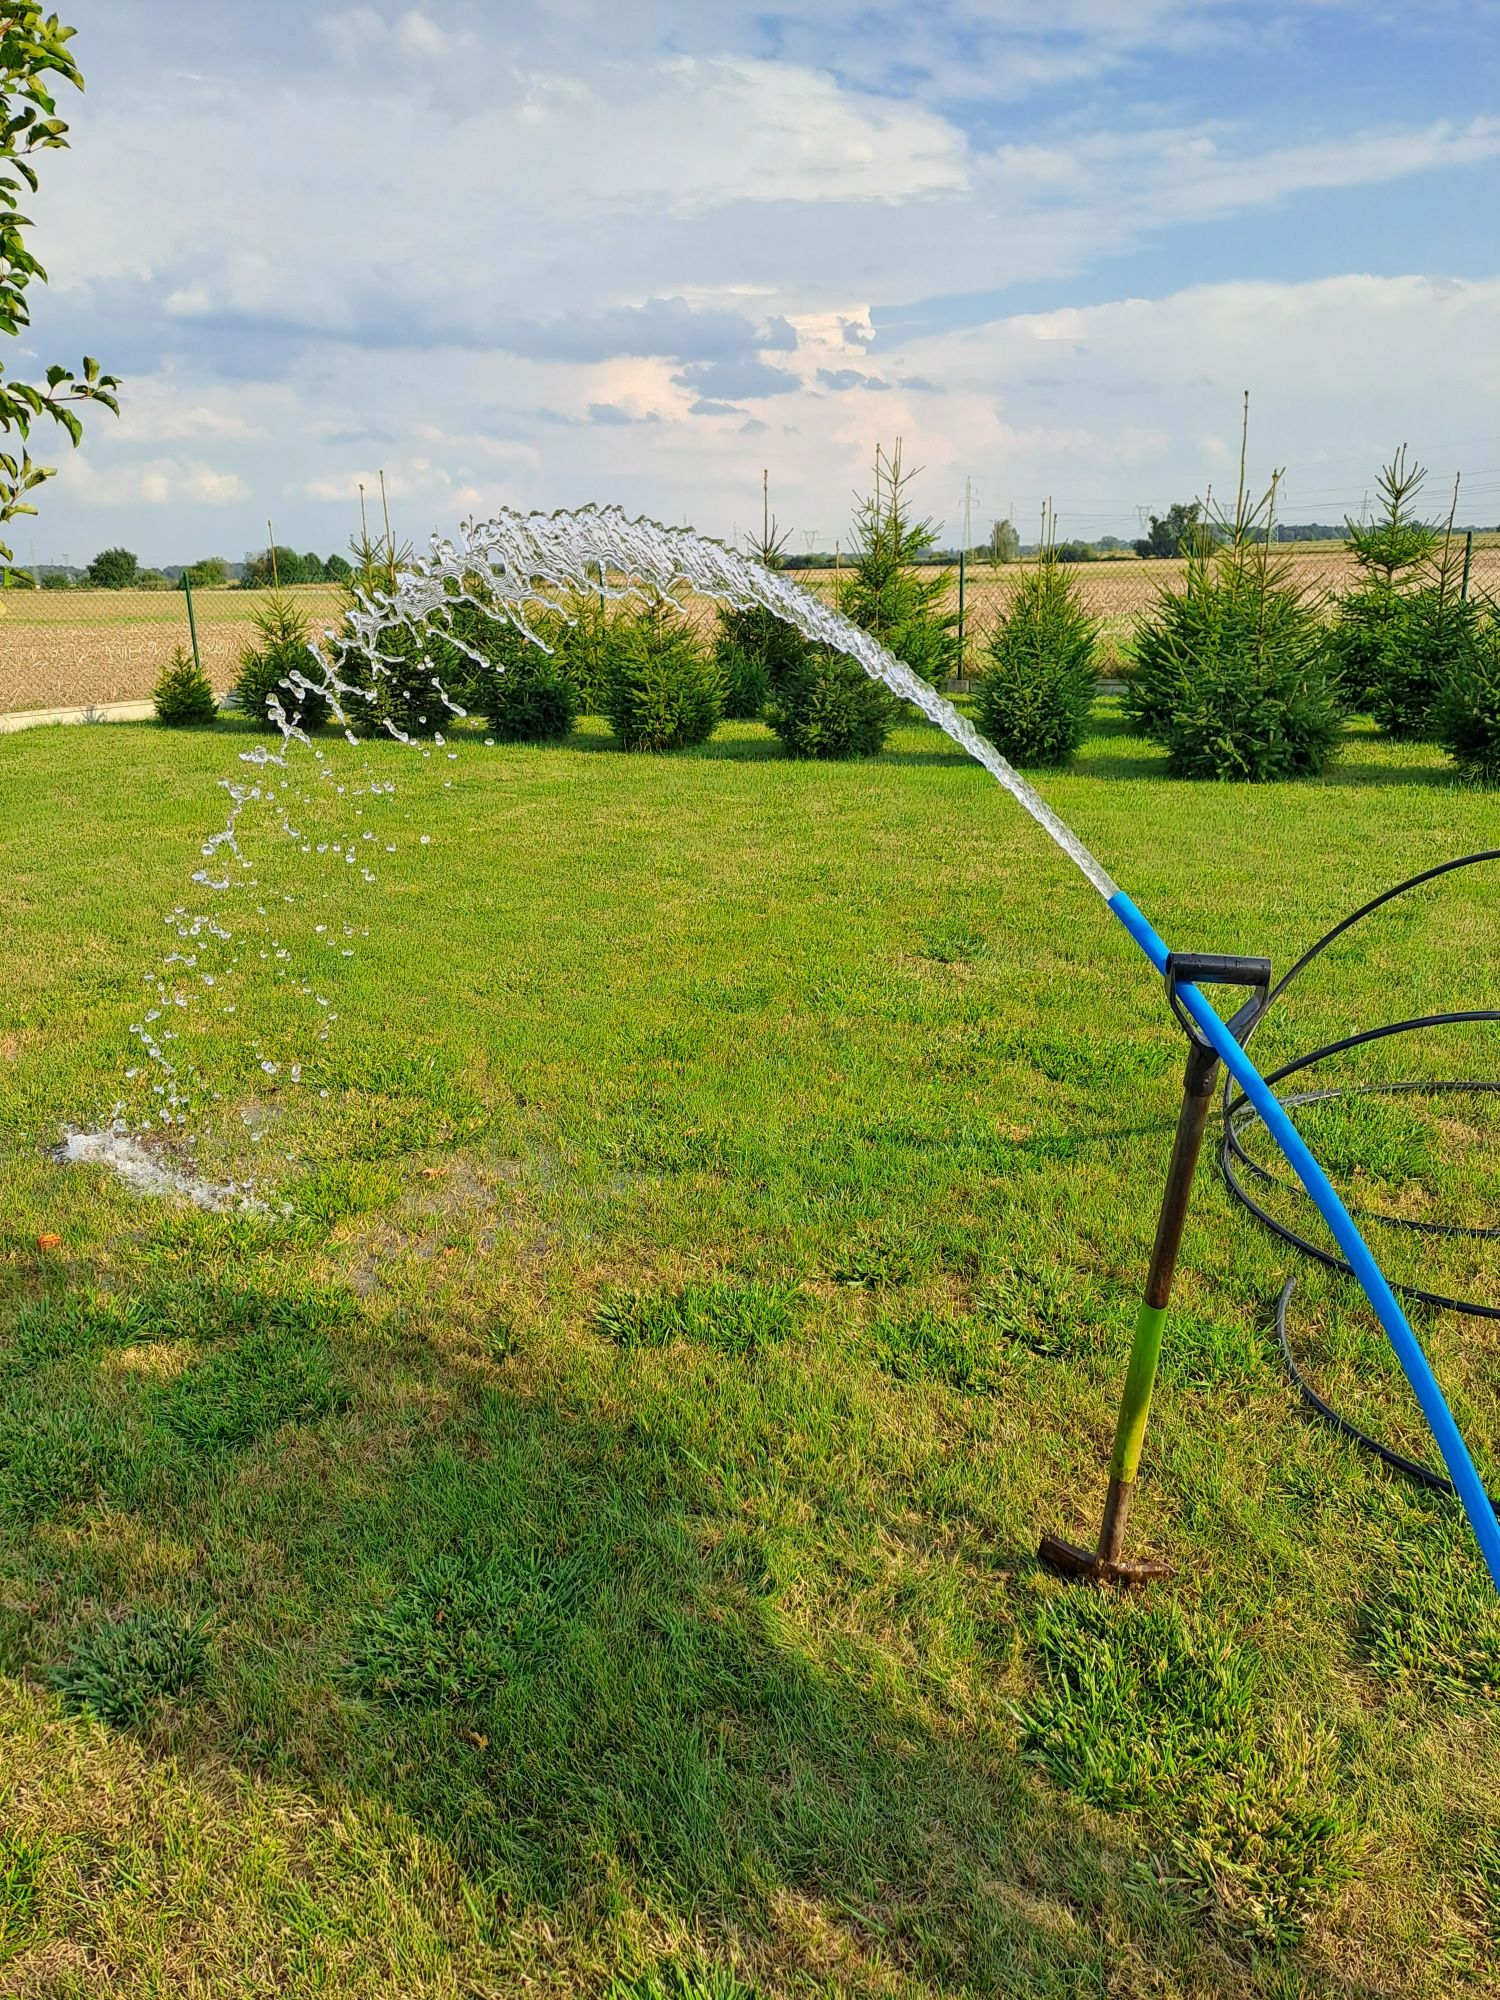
(1393,553)
(758,652)
(886,592)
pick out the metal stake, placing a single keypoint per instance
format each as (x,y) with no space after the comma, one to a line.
(1107,1563)
(187,586)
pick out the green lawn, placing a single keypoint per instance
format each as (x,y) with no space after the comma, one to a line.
(580,1538)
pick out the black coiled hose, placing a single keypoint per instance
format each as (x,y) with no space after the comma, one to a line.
(1236,1161)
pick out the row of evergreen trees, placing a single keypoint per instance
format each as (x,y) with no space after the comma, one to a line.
(1238,674)
(644,665)
(1242,673)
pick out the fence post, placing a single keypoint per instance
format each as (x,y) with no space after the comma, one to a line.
(963,557)
(1463,588)
(187,589)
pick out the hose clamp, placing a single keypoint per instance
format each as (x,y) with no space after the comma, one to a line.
(1209,968)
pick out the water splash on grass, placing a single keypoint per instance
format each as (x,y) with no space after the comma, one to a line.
(143,1169)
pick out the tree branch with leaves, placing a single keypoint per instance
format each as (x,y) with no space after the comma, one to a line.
(33,51)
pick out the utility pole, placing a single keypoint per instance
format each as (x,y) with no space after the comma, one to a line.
(963,567)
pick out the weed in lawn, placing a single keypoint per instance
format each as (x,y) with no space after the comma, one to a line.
(731,1318)
(22,1864)
(879,1254)
(938,1347)
(123,1668)
(466,1626)
(1092,1059)
(72,1323)
(1388,1139)
(1200,1352)
(242,1392)
(1137,1699)
(1042,1309)
(1434,1626)
(57,1457)
(954,943)
(84,1323)
(337,1193)
(1144,1708)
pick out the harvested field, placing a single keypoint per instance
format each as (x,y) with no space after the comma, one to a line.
(77,647)
(1119,592)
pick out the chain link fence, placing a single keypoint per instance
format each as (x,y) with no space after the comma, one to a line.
(93,649)
(82,648)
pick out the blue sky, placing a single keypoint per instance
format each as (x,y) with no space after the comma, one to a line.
(537,254)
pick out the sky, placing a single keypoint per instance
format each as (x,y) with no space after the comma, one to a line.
(534,253)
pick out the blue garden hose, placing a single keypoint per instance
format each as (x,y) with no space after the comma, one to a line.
(1414,1363)
(519,556)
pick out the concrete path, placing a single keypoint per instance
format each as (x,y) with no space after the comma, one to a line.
(110,711)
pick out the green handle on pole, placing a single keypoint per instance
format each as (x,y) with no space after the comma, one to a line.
(1135,1403)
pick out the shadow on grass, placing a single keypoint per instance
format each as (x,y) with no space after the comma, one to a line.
(525,1614)
(759,748)
(1345,773)
(578,1679)
(613,1627)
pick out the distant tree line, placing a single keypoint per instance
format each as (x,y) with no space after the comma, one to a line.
(121,569)
(278,565)
(1184,524)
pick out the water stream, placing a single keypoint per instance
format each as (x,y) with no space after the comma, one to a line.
(522,568)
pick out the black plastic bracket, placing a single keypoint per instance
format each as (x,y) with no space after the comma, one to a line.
(1211,968)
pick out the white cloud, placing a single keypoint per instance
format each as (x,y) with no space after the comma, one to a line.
(1104,407)
(163,412)
(1135,401)
(418,35)
(362,32)
(414,479)
(547,262)
(155,482)
(351,32)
